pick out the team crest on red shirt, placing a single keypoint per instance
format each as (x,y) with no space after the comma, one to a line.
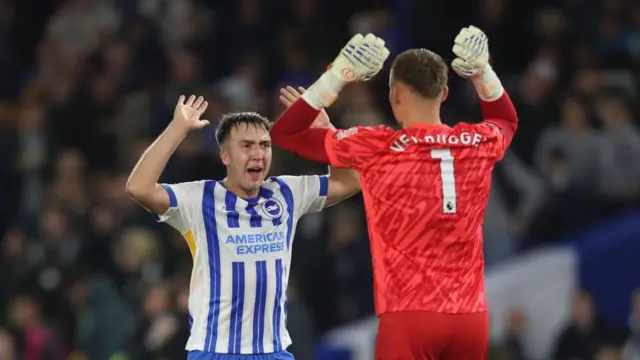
(346,133)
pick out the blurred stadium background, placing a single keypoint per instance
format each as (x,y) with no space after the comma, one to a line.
(87,85)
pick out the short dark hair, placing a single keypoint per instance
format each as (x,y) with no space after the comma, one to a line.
(422,70)
(233,120)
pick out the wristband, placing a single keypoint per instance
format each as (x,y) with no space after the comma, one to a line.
(324,91)
(488,85)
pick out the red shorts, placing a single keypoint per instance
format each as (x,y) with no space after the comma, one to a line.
(424,335)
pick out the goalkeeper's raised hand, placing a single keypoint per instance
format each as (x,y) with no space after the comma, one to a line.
(360,60)
(471,48)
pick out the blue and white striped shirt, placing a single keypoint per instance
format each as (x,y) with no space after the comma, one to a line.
(241,259)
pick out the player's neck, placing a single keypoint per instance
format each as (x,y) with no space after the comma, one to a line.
(426,113)
(233,186)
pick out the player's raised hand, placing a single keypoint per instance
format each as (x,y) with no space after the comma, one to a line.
(361,59)
(188,111)
(289,95)
(471,48)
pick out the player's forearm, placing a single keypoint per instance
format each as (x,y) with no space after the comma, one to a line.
(495,103)
(501,109)
(295,119)
(291,132)
(146,173)
(343,183)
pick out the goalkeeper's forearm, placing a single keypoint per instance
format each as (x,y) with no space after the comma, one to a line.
(324,91)
(488,85)
(301,114)
(291,132)
(495,102)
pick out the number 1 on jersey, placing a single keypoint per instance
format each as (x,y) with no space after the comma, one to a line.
(448,179)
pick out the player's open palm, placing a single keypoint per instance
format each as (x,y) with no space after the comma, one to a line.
(289,95)
(187,113)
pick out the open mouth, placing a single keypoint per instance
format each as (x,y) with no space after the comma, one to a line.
(255,172)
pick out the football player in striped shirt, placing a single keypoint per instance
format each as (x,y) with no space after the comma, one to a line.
(239,231)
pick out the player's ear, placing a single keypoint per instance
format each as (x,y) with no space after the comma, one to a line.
(394,94)
(224,156)
(444,94)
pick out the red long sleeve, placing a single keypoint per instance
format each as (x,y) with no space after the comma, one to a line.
(502,113)
(291,132)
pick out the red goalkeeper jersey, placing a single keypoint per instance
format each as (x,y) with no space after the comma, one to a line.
(425,190)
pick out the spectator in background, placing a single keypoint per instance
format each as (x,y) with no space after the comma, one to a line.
(343,268)
(68,188)
(587,83)
(174,348)
(13,265)
(631,350)
(620,182)
(138,262)
(33,150)
(39,341)
(349,262)
(579,142)
(611,43)
(158,326)
(382,23)
(80,24)
(609,353)
(359,108)
(299,322)
(633,38)
(7,346)
(241,86)
(517,193)
(101,321)
(512,346)
(565,209)
(585,334)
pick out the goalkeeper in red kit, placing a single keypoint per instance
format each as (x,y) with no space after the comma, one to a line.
(425,189)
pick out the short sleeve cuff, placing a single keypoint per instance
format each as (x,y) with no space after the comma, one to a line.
(173,205)
(329,145)
(173,200)
(324,185)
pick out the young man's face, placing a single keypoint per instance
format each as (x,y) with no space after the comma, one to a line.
(247,155)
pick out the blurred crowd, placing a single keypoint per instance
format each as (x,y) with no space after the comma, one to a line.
(88,84)
(585,336)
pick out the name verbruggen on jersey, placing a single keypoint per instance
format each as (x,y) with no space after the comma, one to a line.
(258,243)
(465,138)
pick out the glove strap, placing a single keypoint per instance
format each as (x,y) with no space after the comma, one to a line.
(324,91)
(488,85)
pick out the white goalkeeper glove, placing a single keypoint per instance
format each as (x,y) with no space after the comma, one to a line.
(360,60)
(471,47)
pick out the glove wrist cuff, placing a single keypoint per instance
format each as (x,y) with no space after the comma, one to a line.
(324,91)
(488,85)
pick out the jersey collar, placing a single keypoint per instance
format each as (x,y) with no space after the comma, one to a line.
(262,193)
(428,126)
